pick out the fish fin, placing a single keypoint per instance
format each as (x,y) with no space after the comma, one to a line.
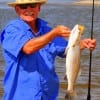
(80,71)
(71,95)
(66,50)
(73,45)
(65,78)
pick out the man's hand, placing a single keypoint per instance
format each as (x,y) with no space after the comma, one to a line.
(61,30)
(88,43)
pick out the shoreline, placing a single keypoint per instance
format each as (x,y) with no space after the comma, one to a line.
(78,3)
(87,2)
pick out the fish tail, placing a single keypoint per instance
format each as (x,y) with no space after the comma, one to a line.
(71,95)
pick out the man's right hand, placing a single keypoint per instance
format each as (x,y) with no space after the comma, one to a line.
(61,30)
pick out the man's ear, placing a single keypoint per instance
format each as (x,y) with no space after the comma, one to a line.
(16,9)
(39,7)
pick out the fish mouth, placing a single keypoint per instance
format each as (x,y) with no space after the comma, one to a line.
(81,28)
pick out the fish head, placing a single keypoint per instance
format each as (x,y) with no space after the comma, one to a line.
(76,35)
(80,32)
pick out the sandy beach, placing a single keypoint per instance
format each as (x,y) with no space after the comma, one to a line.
(87,2)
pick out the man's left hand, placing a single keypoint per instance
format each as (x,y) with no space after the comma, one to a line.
(88,43)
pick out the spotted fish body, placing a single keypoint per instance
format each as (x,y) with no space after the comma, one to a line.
(73,60)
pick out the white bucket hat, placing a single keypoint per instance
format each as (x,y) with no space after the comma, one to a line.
(12,4)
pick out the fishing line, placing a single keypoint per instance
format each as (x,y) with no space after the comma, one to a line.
(90,62)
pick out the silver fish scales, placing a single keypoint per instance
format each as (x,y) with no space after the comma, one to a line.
(73,61)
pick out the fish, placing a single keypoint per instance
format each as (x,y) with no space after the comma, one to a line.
(73,54)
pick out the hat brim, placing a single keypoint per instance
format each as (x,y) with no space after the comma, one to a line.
(16,3)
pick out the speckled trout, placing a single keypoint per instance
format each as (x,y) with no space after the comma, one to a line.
(73,60)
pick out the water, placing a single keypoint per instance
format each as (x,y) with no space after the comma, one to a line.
(3,4)
(68,15)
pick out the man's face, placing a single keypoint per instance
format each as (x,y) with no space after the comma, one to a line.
(28,12)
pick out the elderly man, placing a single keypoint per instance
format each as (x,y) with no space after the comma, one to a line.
(30,47)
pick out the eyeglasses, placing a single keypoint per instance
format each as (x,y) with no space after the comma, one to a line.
(25,6)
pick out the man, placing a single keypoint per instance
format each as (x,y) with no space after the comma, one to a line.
(30,47)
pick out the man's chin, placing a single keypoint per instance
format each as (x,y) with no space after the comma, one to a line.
(29,19)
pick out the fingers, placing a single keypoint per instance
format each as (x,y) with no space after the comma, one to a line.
(92,44)
(89,43)
(63,31)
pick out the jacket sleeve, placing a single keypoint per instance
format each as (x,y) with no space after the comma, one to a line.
(13,39)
